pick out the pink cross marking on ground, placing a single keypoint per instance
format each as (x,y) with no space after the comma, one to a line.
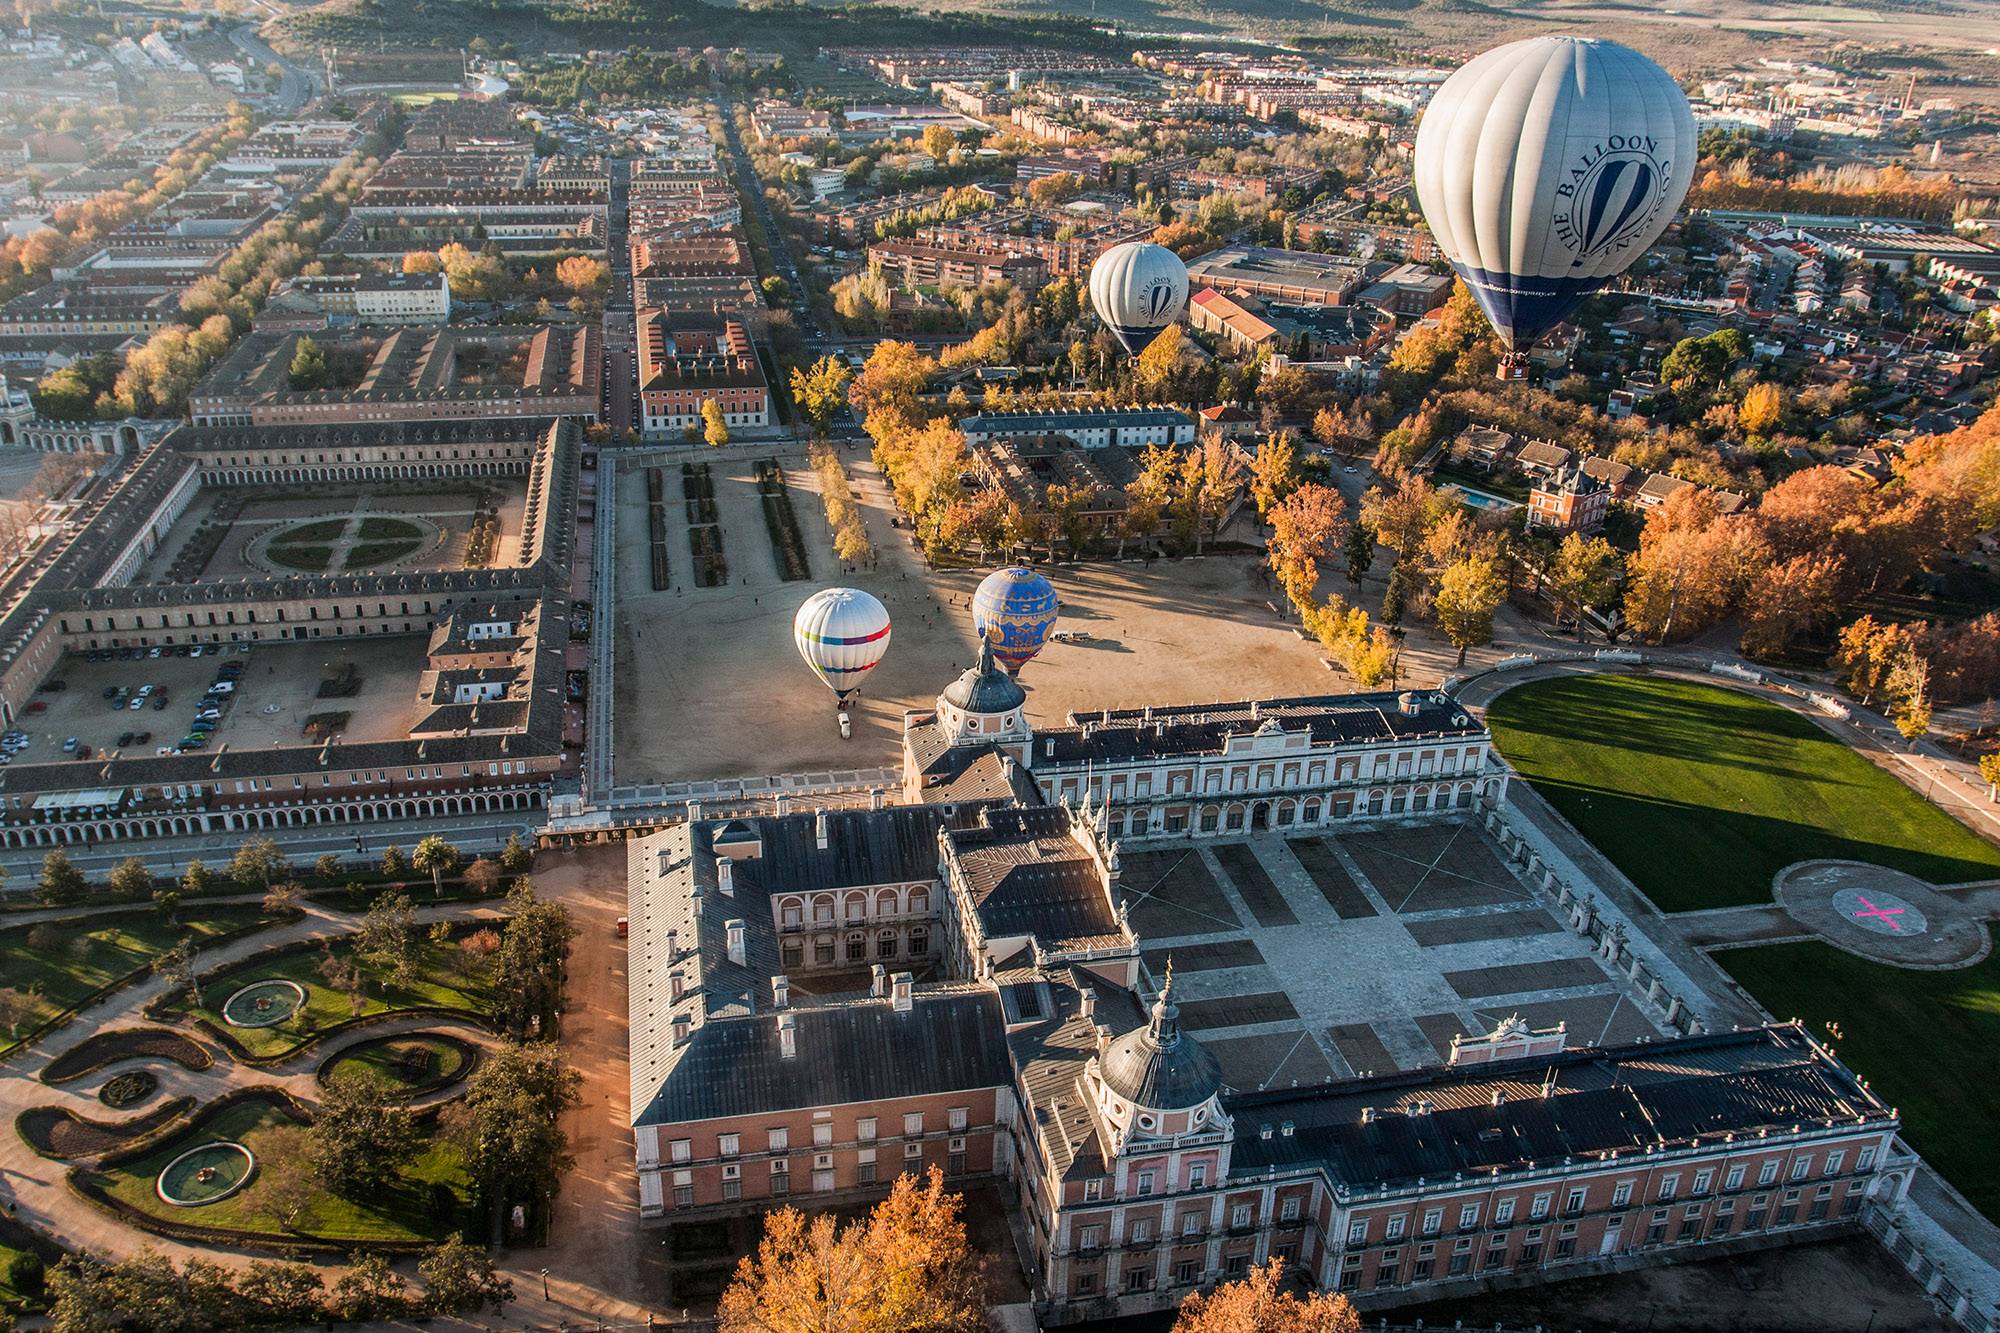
(1882,914)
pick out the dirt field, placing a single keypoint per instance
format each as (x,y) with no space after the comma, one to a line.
(302,521)
(715,689)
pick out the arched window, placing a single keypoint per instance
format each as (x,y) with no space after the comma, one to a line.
(885,944)
(823,908)
(791,911)
(920,941)
(885,903)
(857,947)
(823,950)
(857,906)
(920,901)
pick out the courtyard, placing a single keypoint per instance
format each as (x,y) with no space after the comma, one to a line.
(277,693)
(1301,959)
(256,532)
(714,672)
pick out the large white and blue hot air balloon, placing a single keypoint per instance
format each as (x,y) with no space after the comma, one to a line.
(1138,288)
(841,633)
(1546,166)
(1016,609)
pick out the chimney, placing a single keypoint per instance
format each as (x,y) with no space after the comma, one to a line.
(1049,747)
(725,877)
(781,991)
(900,997)
(788,1040)
(1264,1132)
(1087,1002)
(878,981)
(735,933)
(1256,711)
(680,1029)
(820,829)
(1286,1129)
(784,804)
(1499,1097)
(694,812)
(1007,767)
(1368,1114)
(875,799)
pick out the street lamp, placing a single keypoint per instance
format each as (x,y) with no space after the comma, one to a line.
(545,1284)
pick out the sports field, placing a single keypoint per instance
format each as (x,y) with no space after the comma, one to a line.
(1942,1083)
(1700,795)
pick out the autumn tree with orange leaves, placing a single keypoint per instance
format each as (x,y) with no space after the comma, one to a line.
(1257,1304)
(1309,527)
(908,1266)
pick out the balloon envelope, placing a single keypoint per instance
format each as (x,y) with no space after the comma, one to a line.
(1138,289)
(841,633)
(1546,166)
(1016,609)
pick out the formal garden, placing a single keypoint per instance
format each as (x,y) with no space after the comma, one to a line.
(1700,795)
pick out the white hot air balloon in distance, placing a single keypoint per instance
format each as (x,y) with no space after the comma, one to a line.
(841,633)
(1544,168)
(1138,288)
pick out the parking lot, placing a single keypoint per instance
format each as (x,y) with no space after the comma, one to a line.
(277,692)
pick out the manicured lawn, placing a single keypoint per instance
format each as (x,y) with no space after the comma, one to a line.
(404,1062)
(1923,1041)
(402,1211)
(1700,795)
(94,951)
(438,985)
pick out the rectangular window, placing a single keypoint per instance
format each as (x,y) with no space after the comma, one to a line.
(1394,1229)
(913,1123)
(1357,1234)
(1433,1221)
(1198,1176)
(1702,1180)
(680,1150)
(1865,1160)
(1621,1194)
(956,1117)
(1289,1210)
(1833,1161)
(1468,1217)
(1089,1238)
(1574,1204)
(1191,1224)
(823,1134)
(1503,1212)
(1142,1230)
(781,1139)
(1802,1166)
(1670,1185)
(864,1129)
(1145,1183)
(1734,1180)
(1093,1190)
(1768,1172)
(1240,1215)
(1540,1207)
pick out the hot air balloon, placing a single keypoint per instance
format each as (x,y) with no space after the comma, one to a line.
(1546,166)
(1014,608)
(841,633)
(1138,289)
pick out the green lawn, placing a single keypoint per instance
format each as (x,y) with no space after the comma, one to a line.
(87,953)
(1921,1039)
(404,1062)
(403,1211)
(1700,794)
(439,985)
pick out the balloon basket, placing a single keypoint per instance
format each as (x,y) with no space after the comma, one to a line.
(1513,367)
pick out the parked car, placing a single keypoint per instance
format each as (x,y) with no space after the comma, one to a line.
(124,739)
(69,746)
(159,702)
(139,702)
(146,691)
(143,738)
(83,752)
(38,706)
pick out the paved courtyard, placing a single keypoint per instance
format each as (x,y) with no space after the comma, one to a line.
(1299,959)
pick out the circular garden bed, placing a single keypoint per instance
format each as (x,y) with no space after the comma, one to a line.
(207,1174)
(411,1065)
(122,1092)
(264,1004)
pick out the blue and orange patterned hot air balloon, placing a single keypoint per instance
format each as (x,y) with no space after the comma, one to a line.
(1015,608)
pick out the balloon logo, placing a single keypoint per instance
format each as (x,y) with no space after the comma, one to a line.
(1618,193)
(1014,609)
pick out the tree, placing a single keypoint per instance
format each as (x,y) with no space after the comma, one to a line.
(939,141)
(145,1291)
(1161,359)
(1275,472)
(1763,409)
(1048,191)
(1789,599)
(327,867)
(176,967)
(1989,769)
(308,370)
(255,862)
(167,901)
(1469,591)
(1396,597)
(821,391)
(394,864)
(1402,518)
(1583,574)
(284,900)
(422,261)
(282,1294)
(586,277)
(1305,531)
(714,428)
(196,880)
(61,884)
(482,877)
(15,1006)
(894,374)
(907,1267)
(388,937)
(508,1125)
(130,878)
(370,1289)
(533,946)
(1256,1304)
(288,1184)
(515,858)
(458,1279)
(439,858)
(360,1140)
(1360,552)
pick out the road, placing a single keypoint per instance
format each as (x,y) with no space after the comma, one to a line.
(296,88)
(781,251)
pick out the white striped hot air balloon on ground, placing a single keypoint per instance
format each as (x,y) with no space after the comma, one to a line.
(841,633)
(1547,166)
